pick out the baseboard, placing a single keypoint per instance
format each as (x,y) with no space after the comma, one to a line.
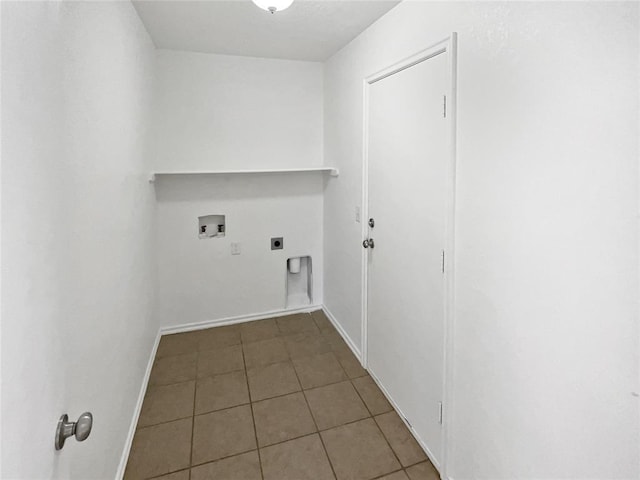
(136,412)
(343,333)
(188,327)
(402,417)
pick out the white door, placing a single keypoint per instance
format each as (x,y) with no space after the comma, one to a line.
(407,185)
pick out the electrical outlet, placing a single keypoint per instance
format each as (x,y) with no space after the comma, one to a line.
(235,248)
(277,243)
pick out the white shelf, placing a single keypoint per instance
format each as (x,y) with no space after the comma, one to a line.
(330,170)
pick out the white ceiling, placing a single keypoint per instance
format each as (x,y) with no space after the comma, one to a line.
(308,30)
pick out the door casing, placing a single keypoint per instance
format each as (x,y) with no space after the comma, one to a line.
(446,46)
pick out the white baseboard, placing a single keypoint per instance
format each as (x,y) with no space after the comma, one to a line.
(188,327)
(343,333)
(137,410)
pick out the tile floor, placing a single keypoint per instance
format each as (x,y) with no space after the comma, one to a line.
(276,399)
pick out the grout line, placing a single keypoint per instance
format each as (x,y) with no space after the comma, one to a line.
(424,460)
(361,398)
(197,414)
(324,447)
(341,367)
(306,400)
(196,378)
(244,404)
(150,388)
(253,417)
(373,417)
(297,437)
(390,473)
(170,473)
(324,330)
(237,454)
(346,423)
(314,320)
(387,440)
(193,416)
(162,423)
(289,440)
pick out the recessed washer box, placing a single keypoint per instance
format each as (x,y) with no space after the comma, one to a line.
(299,282)
(211,226)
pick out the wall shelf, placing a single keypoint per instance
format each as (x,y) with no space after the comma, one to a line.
(330,170)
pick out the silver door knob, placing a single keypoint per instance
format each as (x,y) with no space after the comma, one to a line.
(368,243)
(81,429)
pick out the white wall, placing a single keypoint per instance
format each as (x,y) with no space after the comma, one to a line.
(547,242)
(78,212)
(223,112)
(199,279)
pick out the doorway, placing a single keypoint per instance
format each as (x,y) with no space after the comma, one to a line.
(409,168)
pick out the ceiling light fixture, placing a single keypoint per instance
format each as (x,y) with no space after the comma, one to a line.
(273,6)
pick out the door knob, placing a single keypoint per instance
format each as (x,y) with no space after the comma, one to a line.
(368,243)
(81,429)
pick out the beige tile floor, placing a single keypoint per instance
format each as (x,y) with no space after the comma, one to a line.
(276,399)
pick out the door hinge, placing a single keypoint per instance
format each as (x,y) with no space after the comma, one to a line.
(440,413)
(442,261)
(444,107)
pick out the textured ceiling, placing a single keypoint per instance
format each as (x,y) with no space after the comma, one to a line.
(308,30)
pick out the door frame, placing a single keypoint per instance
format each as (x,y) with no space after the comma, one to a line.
(449,47)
